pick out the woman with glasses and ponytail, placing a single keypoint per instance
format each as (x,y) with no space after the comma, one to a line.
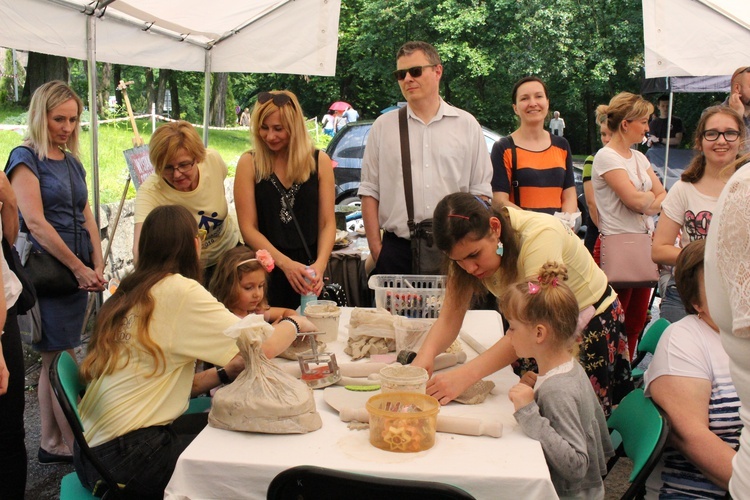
(490,249)
(284,193)
(189,175)
(688,208)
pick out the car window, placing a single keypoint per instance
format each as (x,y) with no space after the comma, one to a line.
(351,143)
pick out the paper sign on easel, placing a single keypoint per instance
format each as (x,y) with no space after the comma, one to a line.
(139,164)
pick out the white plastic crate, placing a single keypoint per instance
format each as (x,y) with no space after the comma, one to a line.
(410,295)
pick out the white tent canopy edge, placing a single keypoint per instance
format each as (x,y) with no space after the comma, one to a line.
(695,37)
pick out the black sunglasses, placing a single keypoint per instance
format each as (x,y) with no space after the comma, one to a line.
(278,99)
(415,72)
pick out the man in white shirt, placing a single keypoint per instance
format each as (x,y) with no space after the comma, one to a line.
(448,155)
(557,124)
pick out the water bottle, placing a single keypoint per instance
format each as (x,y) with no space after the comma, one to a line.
(305,298)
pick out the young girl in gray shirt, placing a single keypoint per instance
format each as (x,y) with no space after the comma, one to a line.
(558,407)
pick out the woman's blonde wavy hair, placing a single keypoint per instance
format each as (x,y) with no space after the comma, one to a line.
(300,162)
(45,99)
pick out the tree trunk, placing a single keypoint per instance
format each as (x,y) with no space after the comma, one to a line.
(175,95)
(163,77)
(117,76)
(219,99)
(43,68)
(150,89)
(102,99)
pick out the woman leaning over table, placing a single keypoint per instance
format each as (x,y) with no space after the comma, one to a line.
(50,186)
(689,379)
(689,205)
(140,365)
(490,249)
(285,174)
(628,194)
(189,175)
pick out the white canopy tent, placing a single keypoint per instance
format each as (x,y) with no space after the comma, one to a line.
(695,37)
(252,36)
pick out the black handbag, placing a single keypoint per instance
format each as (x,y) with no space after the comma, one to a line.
(50,277)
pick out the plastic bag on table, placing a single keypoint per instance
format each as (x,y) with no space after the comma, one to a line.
(371,331)
(263,398)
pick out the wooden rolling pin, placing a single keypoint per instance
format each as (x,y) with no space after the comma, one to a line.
(452,425)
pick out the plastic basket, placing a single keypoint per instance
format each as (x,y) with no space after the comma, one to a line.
(410,295)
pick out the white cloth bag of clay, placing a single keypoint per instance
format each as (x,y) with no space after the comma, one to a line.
(263,398)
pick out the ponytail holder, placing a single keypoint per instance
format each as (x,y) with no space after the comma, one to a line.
(533,288)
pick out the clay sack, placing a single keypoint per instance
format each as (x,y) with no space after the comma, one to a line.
(263,398)
(371,331)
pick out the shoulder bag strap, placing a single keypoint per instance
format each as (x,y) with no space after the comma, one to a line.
(403,128)
(288,202)
(73,204)
(514,172)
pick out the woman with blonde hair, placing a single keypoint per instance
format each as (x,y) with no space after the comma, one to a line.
(628,194)
(690,203)
(50,185)
(284,187)
(189,175)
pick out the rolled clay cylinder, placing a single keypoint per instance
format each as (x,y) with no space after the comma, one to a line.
(356,381)
(451,425)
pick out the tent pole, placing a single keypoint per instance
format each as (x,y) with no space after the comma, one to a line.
(669,135)
(207,98)
(91,56)
(94,298)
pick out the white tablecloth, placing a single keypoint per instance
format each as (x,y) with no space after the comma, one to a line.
(223,464)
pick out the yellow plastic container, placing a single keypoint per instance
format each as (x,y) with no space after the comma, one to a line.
(403,422)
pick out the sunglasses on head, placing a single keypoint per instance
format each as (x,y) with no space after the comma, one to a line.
(278,99)
(415,71)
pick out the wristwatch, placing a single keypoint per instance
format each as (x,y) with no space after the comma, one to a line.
(223,376)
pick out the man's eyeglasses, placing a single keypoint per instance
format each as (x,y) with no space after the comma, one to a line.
(278,99)
(415,71)
(183,168)
(729,135)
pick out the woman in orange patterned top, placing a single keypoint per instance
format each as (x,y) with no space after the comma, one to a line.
(533,169)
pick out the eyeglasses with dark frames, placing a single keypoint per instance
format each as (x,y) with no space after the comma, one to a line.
(183,168)
(277,98)
(729,135)
(415,71)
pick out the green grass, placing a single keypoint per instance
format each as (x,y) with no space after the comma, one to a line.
(116,138)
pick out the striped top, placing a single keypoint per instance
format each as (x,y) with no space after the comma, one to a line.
(542,175)
(690,348)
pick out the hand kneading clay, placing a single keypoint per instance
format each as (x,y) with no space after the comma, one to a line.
(263,398)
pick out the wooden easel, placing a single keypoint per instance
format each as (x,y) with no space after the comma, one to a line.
(137,143)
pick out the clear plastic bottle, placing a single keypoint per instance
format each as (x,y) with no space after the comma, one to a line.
(307,297)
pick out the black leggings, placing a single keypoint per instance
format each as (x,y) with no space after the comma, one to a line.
(12,446)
